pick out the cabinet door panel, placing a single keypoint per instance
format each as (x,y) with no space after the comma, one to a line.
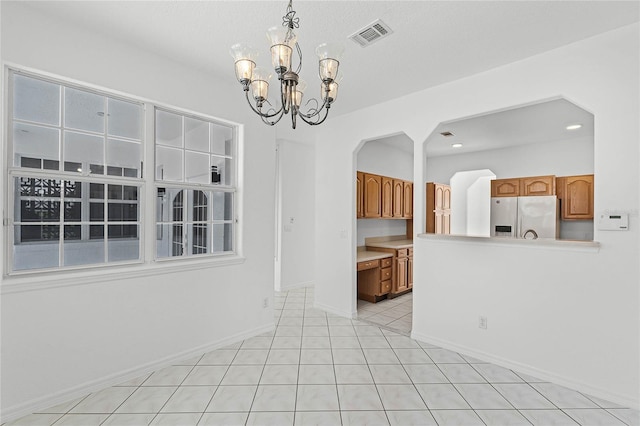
(398,198)
(401,274)
(359,195)
(372,195)
(410,272)
(408,200)
(387,197)
(578,197)
(505,187)
(538,185)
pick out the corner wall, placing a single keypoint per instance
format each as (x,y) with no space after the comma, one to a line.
(574,307)
(60,343)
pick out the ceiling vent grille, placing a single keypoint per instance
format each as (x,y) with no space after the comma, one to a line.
(373,32)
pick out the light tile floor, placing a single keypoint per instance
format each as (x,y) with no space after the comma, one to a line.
(392,314)
(320,369)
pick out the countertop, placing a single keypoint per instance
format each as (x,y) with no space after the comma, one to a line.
(393,244)
(366,256)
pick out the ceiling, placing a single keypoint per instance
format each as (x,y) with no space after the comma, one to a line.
(433,42)
(537,123)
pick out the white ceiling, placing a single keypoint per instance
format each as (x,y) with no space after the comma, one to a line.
(433,41)
(538,123)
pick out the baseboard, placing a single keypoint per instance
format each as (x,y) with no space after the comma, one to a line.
(586,388)
(332,310)
(38,404)
(296,286)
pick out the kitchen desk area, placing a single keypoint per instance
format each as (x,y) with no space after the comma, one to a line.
(385,268)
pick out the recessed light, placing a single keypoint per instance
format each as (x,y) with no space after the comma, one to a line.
(80,169)
(574,126)
(456,145)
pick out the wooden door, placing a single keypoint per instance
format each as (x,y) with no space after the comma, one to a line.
(372,195)
(538,185)
(387,197)
(398,198)
(359,195)
(505,187)
(578,197)
(408,200)
(401,273)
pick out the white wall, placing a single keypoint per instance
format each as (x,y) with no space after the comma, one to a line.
(60,342)
(295,216)
(563,158)
(574,306)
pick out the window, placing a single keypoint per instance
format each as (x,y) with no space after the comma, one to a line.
(195,184)
(75,165)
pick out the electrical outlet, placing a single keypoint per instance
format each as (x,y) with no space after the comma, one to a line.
(265,302)
(482,322)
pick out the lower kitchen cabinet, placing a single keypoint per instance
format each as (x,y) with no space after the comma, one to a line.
(374,279)
(401,270)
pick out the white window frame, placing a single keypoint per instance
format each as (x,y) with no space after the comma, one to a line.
(147,265)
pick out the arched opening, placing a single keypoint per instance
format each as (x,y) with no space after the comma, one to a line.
(384,231)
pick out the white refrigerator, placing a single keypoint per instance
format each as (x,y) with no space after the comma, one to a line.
(525,217)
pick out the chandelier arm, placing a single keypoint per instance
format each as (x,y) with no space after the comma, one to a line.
(317,110)
(299,58)
(315,123)
(265,117)
(260,113)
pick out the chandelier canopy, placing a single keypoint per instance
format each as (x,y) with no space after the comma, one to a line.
(283,40)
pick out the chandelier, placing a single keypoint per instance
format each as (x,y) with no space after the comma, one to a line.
(283,40)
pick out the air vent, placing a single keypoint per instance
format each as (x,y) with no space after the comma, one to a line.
(373,32)
(446,134)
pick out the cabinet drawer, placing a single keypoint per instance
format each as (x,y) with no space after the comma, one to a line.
(403,252)
(386,262)
(368,265)
(385,287)
(385,274)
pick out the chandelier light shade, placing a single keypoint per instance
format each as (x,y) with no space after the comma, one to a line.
(254,79)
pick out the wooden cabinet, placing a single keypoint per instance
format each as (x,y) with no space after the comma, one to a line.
(359,195)
(524,186)
(401,264)
(372,195)
(398,200)
(576,197)
(537,185)
(387,197)
(374,279)
(383,197)
(505,187)
(438,208)
(407,208)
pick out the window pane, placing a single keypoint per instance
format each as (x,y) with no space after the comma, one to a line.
(168,164)
(197,167)
(85,252)
(123,154)
(96,169)
(222,171)
(83,148)
(222,140)
(196,134)
(129,192)
(125,119)
(83,110)
(168,129)
(51,164)
(72,167)
(222,206)
(72,189)
(123,243)
(35,142)
(163,241)
(115,192)
(39,211)
(72,212)
(72,232)
(96,212)
(36,255)
(96,232)
(199,241)
(36,100)
(222,237)
(32,187)
(96,190)
(200,206)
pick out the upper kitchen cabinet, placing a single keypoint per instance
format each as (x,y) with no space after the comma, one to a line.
(398,195)
(407,208)
(359,195)
(538,185)
(438,208)
(387,197)
(576,197)
(372,190)
(505,187)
